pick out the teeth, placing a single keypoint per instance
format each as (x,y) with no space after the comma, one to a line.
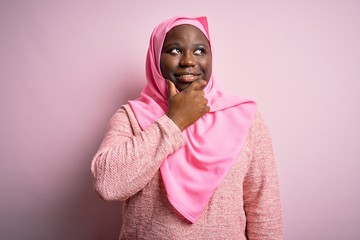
(187,77)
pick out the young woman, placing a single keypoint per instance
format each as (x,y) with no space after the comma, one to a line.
(189,161)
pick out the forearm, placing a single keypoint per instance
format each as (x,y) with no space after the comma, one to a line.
(125,163)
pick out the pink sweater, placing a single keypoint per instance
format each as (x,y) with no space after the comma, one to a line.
(245,206)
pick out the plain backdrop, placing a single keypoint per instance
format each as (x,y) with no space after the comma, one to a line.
(67,66)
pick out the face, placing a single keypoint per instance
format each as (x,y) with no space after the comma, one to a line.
(185,56)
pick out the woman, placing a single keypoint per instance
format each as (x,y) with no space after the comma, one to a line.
(189,161)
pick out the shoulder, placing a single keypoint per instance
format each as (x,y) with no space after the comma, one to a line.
(124,111)
(259,131)
(258,122)
(124,116)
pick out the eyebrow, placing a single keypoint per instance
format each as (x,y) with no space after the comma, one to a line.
(170,44)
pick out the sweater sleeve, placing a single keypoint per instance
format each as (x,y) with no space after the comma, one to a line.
(261,187)
(128,157)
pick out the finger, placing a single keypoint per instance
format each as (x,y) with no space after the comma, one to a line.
(207,109)
(205,101)
(171,88)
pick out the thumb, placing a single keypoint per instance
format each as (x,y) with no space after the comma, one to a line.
(171,88)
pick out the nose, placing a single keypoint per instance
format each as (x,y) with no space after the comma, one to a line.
(187,60)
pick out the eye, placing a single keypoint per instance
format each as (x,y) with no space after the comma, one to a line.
(199,51)
(175,51)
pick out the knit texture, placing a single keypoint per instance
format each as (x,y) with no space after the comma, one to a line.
(126,167)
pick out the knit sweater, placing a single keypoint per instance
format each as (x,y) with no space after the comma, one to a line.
(246,205)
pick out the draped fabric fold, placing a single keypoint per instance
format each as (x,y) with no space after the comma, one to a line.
(213,143)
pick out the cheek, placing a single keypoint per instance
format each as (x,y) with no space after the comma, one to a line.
(166,65)
(161,62)
(207,66)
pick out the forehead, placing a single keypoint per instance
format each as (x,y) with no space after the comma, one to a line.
(186,32)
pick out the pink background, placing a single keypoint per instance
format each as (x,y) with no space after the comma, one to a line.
(66,66)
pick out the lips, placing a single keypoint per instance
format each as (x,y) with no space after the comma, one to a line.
(187,77)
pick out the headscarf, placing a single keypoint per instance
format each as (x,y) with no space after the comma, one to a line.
(213,142)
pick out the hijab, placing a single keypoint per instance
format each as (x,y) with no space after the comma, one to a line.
(213,142)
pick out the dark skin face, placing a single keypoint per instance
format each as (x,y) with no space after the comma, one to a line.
(185,56)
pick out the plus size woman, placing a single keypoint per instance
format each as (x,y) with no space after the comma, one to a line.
(189,161)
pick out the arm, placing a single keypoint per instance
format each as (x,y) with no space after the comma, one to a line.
(126,162)
(261,187)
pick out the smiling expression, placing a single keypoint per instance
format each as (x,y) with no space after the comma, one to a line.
(185,56)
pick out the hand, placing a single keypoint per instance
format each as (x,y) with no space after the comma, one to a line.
(187,106)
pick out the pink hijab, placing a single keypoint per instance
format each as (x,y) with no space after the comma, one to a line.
(213,143)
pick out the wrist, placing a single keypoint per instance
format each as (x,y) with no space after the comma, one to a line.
(177,122)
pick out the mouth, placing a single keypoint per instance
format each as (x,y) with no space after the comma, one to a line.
(187,78)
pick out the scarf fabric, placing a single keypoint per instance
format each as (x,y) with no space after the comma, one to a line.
(213,142)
